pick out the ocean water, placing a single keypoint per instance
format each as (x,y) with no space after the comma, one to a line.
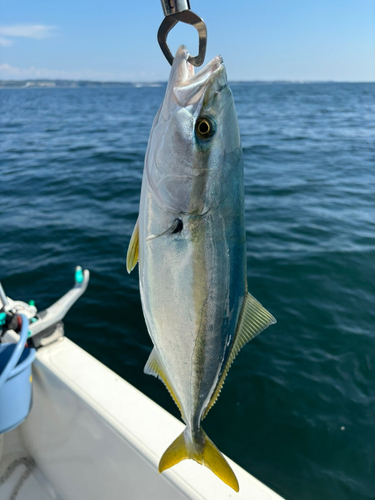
(298,408)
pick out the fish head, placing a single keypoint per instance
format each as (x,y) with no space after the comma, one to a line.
(195,130)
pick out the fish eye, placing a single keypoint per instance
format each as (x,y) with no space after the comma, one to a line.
(204,128)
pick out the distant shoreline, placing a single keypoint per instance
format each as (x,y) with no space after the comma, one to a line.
(69,84)
(49,84)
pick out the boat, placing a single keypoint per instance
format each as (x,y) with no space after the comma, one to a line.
(90,435)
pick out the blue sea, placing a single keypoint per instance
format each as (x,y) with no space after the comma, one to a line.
(298,408)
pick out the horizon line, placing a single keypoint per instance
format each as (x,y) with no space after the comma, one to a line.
(164,82)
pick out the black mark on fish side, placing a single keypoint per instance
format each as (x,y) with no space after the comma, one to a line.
(177,226)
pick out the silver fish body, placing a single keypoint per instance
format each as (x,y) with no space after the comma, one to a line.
(191,245)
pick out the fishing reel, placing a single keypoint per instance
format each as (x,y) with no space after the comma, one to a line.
(45,327)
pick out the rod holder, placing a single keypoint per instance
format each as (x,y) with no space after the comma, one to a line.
(3,297)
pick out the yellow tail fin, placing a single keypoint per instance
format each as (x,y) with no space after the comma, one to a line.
(202,451)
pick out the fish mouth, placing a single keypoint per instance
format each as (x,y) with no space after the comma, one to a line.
(188,87)
(185,70)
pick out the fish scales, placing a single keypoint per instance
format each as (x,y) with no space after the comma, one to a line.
(190,243)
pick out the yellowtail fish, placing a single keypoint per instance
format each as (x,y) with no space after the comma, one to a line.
(190,243)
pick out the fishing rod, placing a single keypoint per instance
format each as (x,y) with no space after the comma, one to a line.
(179,11)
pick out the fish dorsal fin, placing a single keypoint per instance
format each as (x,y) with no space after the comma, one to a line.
(132,256)
(154,367)
(253,320)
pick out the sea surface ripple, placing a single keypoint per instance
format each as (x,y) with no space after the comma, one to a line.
(298,407)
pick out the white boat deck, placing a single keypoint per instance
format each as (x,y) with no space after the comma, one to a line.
(20,478)
(92,436)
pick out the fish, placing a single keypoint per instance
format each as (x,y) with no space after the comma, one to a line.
(189,242)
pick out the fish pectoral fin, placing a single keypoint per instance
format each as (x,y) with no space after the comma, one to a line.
(253,320)
(155,367)
(132,255)
(202,451)
(175,228)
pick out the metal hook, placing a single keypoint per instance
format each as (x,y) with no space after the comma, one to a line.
(175,11)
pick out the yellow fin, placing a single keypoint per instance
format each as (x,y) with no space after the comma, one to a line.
(214,460)
(174,454)
(253,320)
(155,368)
(202,451)
(132,255)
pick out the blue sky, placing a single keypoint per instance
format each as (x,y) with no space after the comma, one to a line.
(259,39)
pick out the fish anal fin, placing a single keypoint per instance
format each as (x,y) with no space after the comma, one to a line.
(253,320)
(154,367)
(202,451)
(133,249)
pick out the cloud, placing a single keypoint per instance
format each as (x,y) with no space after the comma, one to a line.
(35,31)
(8,72)
(4,42)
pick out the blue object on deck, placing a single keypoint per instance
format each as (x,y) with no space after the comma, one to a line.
(15,380)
